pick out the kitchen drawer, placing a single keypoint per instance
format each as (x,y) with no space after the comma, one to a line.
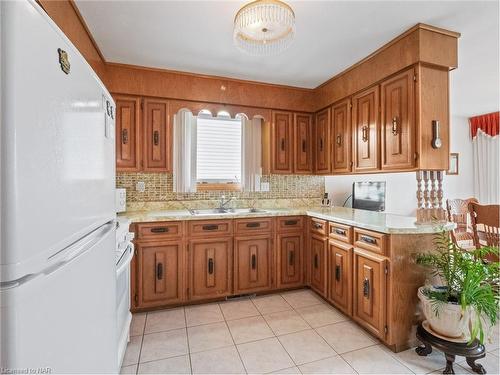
(372,241)
(290,223)
(253,225)
(340,232)
(210,227)
(159,230)
(319,226)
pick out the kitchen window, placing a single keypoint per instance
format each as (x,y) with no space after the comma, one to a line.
(218,152)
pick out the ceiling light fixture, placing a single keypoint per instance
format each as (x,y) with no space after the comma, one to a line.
(264,27)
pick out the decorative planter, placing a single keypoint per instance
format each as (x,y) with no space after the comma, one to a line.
(450,320)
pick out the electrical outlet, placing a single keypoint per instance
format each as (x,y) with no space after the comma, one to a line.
(264,186)
(140,186)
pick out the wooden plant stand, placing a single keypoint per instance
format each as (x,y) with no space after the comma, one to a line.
(471,352)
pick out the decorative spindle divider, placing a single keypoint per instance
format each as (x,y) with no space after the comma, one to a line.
(430,197)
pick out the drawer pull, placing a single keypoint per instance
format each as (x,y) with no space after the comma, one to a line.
(210,227)
(340,232)
(339,139)
(210,266)
(315,260)
(321,144)
(291,222)
(253,225)
(337,272)
(159,271)
(156,137)
(159,230)
(366,288)
(291,258)
(303,145)
(282,144)
(394,126)
(254,261)
(364,133)
(124,136)
(317,225)
(368,239)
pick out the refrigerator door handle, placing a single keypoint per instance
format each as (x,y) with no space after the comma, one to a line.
(126,261)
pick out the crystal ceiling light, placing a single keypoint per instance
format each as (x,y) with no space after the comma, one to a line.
(264,27)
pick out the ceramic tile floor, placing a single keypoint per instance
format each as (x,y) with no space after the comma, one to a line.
(289,333)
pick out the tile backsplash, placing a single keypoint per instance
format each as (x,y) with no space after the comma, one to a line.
(159,188)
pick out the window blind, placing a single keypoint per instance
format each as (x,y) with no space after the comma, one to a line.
(218,150)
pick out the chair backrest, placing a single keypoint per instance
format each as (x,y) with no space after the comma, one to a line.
(485,224)
(458,212)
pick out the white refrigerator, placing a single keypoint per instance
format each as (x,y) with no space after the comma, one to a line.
(57,151)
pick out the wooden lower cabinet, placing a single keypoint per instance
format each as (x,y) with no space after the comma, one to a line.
(340,275)
(318,263)
(369,291)
(210,268)
(161,268)
(253,258)
(289,260)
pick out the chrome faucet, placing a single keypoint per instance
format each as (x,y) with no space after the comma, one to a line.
(223,202)
(190,210)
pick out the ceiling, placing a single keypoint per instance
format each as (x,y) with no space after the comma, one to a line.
(196,36)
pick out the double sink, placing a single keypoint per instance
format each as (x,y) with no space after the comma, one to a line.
(208,212)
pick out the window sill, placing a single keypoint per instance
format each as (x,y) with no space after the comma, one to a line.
(218,187)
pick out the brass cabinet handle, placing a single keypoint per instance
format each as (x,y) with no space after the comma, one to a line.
(159,271)
(254,261)
(394,126)
(340,232)
(291,222)
(210,266)
(291,258)
(339,139)
(282,144)
(253,225)
(337,272)
(156,137)
(124,136)
(210,227)
(364,133)
(159,230)
(368,239)
(317,225)
(316,260)
(303,145)
(366,288)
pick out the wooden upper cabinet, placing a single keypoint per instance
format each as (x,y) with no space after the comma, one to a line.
(303,143)
(252,263)
(210,267)
(369,291)
(157,136)
(341,119)
(282,142)
(398,121)
(322,136)
(160,273)
(128,133)
(365,121)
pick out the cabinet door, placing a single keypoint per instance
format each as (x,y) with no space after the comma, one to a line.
(157,136)
(340,275)
(322,136)
(341,118)
(398,121)
(161,275)
(210,267)
(365,120)
(252,264)
(369,285)
(128,133)
(318,264)
(282,142)
(303,143)
(290,247)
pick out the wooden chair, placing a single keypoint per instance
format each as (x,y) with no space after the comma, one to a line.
(485,225)
(458,213)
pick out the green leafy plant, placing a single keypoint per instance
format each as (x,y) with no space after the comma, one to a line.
(468,281)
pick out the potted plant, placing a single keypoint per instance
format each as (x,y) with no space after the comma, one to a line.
(468,298)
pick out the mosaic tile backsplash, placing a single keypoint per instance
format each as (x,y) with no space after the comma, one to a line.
(159,188)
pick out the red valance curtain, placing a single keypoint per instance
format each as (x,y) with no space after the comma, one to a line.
(487,123)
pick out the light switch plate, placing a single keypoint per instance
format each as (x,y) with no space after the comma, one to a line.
(140,186)
(264,186)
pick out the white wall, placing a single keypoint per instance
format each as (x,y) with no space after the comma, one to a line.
(401,188)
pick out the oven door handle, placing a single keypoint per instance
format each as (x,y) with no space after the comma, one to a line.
(126,259)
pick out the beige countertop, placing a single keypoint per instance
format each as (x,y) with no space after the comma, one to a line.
(376,221)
